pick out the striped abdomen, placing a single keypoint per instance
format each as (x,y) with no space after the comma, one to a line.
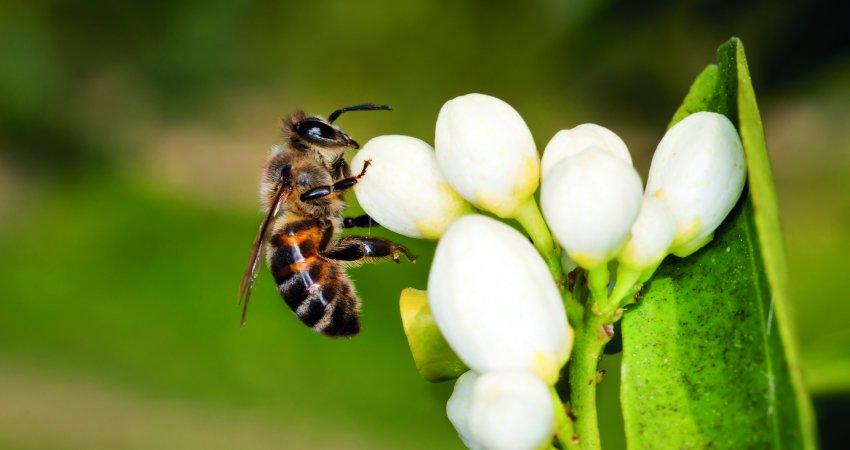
(315,288)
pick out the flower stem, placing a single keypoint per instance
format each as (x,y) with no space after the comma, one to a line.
(590,337)
(563,424)
(597,282)
(528,215)
(627,278)
(583,375)
(575,312)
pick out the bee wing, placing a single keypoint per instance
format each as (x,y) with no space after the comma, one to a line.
(253,267)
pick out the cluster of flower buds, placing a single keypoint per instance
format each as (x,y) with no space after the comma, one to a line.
(499,309)
(490,292)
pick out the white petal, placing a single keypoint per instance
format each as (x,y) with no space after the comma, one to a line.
(511,411)
(487,153)
(495,302)
(571,142)
(459,404)
(652,234)
(590,201)
(403,189)
(698,170)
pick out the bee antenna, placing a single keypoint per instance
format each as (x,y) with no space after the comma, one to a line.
(364,107)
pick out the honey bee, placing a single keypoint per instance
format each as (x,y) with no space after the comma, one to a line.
(301,193)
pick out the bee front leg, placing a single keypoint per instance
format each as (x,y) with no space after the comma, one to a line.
(358,248)
(341,185)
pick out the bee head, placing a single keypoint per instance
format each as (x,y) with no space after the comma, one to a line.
(310,131)
(313,131)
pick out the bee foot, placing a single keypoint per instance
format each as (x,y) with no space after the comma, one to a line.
(401,250)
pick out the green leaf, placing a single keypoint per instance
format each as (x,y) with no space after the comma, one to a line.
(432,355)
(709,353)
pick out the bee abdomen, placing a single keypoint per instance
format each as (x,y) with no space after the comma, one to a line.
(318,293)
(342,307)
(314,288)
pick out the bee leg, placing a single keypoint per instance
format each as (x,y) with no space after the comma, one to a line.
(363,221)
(341,185)
(340,168)
(357,248)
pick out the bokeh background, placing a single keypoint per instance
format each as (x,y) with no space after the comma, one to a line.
(131,135)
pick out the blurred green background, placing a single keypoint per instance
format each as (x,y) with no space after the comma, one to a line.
(131,136)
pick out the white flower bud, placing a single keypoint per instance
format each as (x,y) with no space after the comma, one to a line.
(590,201)
(511,411)
(403,189)
(571,142)
(495,302)
(698,170)
(459,405)
(487,153)
(652,234)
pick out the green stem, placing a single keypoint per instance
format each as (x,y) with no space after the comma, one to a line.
(629,297)
(563,425)
(627,278)
(575,312)
(647,273)
(590,339)
(528,215)
(597,282)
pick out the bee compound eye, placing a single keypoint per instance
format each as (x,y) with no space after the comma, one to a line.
(316,130)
